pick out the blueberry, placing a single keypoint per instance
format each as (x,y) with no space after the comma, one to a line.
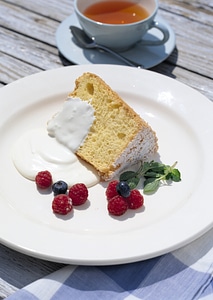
(123,189)
(59,187)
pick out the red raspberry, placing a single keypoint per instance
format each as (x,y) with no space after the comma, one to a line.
(117,205)
(62,204)
(43,179)
(111,189)
(78,193)
(135,200)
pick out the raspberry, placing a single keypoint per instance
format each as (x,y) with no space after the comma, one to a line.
(111,189)
(135,200)
(78,193)
(43,179)
(62,204)
(117,206)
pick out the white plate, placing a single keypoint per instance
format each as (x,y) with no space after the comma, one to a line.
(148,56)
(173,217)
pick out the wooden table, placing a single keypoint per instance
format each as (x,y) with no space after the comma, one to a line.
(27,46)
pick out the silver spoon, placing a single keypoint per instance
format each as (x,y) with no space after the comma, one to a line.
(86,42)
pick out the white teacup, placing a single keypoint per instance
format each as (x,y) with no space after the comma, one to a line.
(121,37)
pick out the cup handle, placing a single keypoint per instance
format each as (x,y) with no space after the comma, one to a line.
(163,29)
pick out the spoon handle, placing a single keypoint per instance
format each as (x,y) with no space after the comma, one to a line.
(119,56)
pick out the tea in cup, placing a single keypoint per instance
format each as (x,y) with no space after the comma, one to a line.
(119,24)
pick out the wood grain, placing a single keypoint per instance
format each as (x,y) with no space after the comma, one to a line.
(18,270)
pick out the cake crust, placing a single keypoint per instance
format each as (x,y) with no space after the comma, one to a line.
(118,137)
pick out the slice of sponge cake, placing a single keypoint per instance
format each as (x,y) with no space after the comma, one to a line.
(118,136)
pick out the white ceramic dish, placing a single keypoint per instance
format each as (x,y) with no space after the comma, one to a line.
(174,216)
(148,56)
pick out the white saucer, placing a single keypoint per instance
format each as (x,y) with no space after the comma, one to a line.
(148,56)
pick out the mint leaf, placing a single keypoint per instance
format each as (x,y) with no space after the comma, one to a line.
(151,187)
(149,180)
(153,172)
(131,178)
(133,182)
(175,175)
(158,168)
(127,175)
(146,166)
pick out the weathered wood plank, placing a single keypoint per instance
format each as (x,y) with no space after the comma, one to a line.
(196,10)
(25,49)
(13,69)
(31,24)
(57,10)
(199,83)
(190,54)
(19,270)
(6,289)
(189,51)
(16,64)
(60,10)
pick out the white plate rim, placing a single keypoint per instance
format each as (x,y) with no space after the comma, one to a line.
(113,249)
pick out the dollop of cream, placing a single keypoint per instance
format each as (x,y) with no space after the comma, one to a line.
(37,151)
(70,126)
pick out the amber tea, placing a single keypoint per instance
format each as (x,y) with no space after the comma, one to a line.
(116,12)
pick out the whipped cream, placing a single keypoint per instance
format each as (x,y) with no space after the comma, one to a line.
(70,126)
(36,151)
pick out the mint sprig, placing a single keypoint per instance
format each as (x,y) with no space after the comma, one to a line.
(154,174)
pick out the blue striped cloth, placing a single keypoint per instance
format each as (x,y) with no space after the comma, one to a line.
(184,274)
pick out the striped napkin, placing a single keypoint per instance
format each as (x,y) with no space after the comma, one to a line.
(184,274)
